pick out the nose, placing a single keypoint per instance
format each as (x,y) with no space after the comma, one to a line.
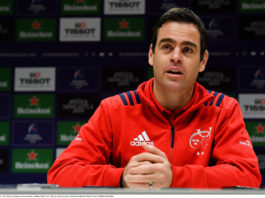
(176,55)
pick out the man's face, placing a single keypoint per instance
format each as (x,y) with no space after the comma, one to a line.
(176,60)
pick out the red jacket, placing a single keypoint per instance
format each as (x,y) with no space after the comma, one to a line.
(206,142)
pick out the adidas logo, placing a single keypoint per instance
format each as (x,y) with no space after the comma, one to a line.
(143,137)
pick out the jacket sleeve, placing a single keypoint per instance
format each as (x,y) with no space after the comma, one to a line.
(233,160)
(86,161)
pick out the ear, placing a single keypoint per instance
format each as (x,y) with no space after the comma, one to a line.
(204,61)
(150,56)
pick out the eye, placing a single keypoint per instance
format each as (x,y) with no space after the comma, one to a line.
(187,50)
(166,47)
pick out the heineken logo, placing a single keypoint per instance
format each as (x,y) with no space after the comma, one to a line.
(31,160)
(36,29)
(260,129)
(32,156)
(80,6)
(34,105)
(67,132)
(124,24)
(124,29)
(5,79)
(256,131)
(6,6)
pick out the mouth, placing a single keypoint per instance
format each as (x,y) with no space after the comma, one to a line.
(174,72)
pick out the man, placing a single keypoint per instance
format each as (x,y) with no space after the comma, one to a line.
(170,132)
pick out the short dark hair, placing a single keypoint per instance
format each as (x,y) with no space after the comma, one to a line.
(182,15)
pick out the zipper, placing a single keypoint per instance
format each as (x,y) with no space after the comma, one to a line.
(172,137)
(172,143)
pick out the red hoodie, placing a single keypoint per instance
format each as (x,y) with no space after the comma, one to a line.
(206,142)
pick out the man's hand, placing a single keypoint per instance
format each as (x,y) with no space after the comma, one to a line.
(151,166)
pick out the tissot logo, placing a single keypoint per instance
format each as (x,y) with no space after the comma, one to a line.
(124,6)
(252,105)
(80,29)
(35,79)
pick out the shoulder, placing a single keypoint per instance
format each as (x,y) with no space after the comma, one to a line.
(220,100)
(124,99)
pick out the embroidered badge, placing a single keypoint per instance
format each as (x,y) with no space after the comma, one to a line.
(199,140)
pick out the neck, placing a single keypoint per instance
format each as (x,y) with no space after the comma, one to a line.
(172,100)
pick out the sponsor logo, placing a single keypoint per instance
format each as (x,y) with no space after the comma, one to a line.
(80,6)
(36,29)
(214,30)
(4,160)
(79,79)
(5,105)
(77,106)
(4,133)
(167,4)
(252,6)
(199,140)
(32,133)
(31,106)
(67,131)
(31,160)
(6,29)
(5,79)
(35,79)
(259,79)
(80,29)
(124,29)
(252,105)
(142,138)
(214,78)
(252,27)
(256,131)
(116,78)
(6,7)
(59,151)
(261,158)
(124,7)
(220,6)
(36,6)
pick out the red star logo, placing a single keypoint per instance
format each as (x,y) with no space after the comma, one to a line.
(34,101)
(80,1)
(36,25)
(76,127)
(32,155)
(260,129)
(124,24)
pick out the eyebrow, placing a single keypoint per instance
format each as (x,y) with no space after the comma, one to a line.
(164,40)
